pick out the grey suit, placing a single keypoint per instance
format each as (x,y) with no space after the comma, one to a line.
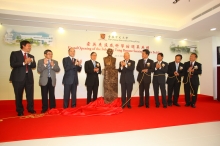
(47,83)
(44,72)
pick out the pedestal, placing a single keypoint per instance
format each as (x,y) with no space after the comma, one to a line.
(110,85)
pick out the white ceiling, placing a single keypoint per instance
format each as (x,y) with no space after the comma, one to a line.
(143,17)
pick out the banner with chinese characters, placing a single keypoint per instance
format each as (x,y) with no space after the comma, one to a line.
(84,43)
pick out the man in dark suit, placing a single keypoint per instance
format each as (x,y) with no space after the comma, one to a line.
(47,69)
(92,69)
(70,79)
(192,70)
(21,76)
(144,67)
(159,80)
(175,72)
(126,68)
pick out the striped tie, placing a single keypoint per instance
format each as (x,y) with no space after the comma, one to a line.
(48,66)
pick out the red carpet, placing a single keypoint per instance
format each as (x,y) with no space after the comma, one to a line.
(136,118)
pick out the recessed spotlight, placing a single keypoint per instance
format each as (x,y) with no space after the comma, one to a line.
(185,39)
(61,30)
(213,29)
(114,33)
(158,37)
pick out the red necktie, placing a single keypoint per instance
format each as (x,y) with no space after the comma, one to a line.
(25,64)
(191,66)
(73,60)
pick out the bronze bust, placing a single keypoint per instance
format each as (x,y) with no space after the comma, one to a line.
(109,61)
(110,78)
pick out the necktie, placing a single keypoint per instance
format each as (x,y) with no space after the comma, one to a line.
(177,66)
(73,61)
(94,63)
(191,66)
(48,66)
(25,64)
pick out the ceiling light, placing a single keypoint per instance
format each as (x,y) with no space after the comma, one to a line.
(158,37)
(185,39)
(114,33)
(213,29)
(61,30)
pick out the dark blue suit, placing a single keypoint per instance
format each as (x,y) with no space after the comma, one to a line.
(22,80)
(159,80)
(127,80)
(174,82)
(92,80)
(70,81)
(191,83)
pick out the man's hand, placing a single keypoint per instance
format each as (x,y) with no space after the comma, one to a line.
(28,60)
(96,69)
(122,63)
(190,69)
(176,73)
(52,63)
(158,65)
(45,61)
(145,70)
(80,62)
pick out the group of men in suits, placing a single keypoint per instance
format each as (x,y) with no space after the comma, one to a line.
(22,63)
(21,77)
(189,70)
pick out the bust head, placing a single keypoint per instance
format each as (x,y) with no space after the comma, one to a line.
(109,52)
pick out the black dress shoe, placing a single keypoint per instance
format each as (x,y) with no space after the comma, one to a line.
(187,104)
(20,114)
(129,106)
(140,105)
(164,106)
(73,106)
(169,104)
(32,111)
(176,104)
(147,106)
(157,106)
(193,106)
(43,111)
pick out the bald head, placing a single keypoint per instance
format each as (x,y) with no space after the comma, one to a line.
(126,56)
(71,52)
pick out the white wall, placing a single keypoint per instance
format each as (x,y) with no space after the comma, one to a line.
(208,58)
(77,39)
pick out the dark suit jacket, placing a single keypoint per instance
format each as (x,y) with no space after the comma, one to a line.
(157,73)
(141,66)
(18,72)
(195,74)
(127,74)
(91,76)
(171,69)
(70,75)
